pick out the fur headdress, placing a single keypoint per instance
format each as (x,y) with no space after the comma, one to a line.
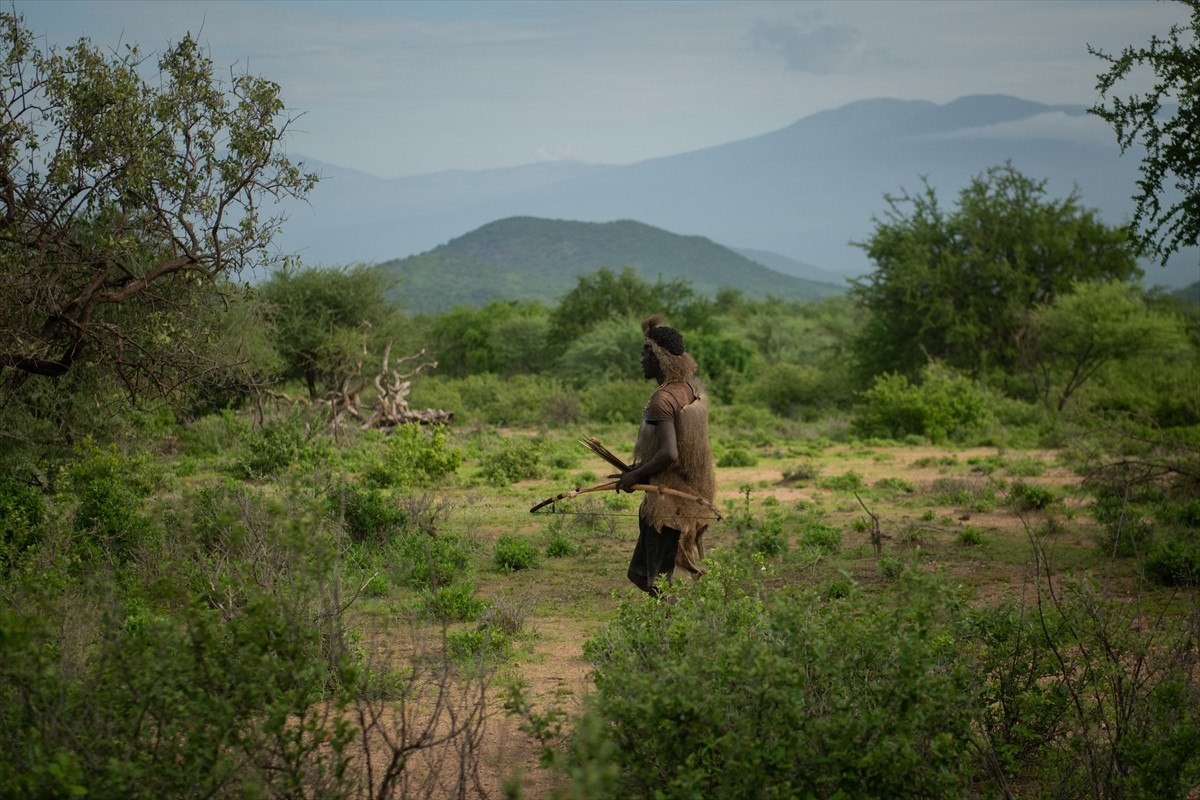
(667,345)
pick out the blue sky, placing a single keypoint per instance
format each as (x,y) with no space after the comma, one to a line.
(407,88)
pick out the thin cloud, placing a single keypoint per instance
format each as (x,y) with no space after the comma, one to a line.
(1055,125)
(819,50)
(565,152)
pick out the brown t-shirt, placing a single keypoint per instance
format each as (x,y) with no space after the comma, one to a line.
(667,401)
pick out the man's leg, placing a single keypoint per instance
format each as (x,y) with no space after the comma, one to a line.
(654,555)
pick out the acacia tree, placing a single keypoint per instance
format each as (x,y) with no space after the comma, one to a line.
(956,286)
(1070,340)
(324,320)
(1172,160)
(126,199)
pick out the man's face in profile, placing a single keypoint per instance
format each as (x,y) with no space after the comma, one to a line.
(649,362)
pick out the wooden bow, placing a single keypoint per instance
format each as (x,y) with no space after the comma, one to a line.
(637,487)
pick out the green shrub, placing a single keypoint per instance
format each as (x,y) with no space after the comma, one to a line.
(848,481)
(1024,496)
(890,567)
(1025,467)
(615,401)
(482,644)
(22,512)
(786,389)
(893,486)
(110,519)
(190,705)
(944,405)
(370,516)
(430,562)
(517,400)
(970,536)
(723,361)
(1174,562)
(754,425)
(942,462)
(278,445)
(130,471)
(413,456)
(441,392)
(735,692)
(209,516)
(838,588)
(975,495)
(802,473)
(456,602)
(561,455)
(214,434)
(1140,723)
(725,695)
(514,460)
(1126,523)
(766,537)
(376,585)
(558,541)
(737,457)
(822,538)
(1185,514)
(512,554)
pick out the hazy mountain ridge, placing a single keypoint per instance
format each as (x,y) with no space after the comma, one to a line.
(804,192)
(790,266)
(1188,294)
(528,258)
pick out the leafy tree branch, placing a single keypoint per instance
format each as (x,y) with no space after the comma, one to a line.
(1167,214)
(126,200)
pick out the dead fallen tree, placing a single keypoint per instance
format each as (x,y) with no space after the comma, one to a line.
(392,388)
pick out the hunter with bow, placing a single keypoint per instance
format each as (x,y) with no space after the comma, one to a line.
(672,452)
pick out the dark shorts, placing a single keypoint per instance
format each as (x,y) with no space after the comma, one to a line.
(654,553)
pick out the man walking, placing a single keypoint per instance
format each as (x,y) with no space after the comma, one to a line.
(672,451)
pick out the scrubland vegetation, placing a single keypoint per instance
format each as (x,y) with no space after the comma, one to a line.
(959,553)
(922,587)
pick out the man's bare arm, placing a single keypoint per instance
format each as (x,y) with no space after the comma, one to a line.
(668,454)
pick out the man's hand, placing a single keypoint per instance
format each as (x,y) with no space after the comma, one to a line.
(668,454)
(627,480)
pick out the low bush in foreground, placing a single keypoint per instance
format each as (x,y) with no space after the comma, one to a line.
(738,692)
(728,693)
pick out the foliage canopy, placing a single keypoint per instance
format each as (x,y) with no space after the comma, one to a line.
(955,286)
(1172,159)
(1080,332)
(322,320)
(126,199)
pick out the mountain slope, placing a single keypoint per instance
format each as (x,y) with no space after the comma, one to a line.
(805,192)
(790,266)
(541,259)
(1188,294)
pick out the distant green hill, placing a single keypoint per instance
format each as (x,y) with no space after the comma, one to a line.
(1188,294)
(527,258)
